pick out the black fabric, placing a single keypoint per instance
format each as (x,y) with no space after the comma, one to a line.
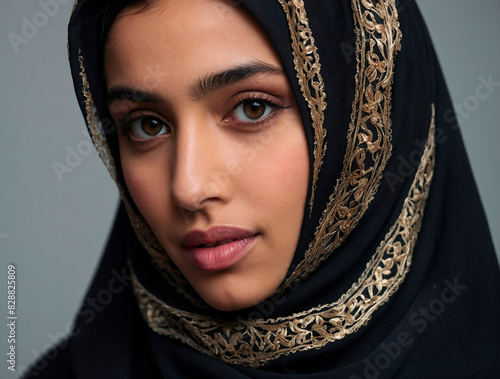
(442,322)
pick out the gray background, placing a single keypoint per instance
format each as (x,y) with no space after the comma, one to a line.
(54,228)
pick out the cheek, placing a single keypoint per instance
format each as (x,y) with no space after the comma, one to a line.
(140,188)
(282,177)
(146,181)
(276,185)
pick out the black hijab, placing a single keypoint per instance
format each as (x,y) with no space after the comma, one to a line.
(394,274)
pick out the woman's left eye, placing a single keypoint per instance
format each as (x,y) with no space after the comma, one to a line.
(252,110)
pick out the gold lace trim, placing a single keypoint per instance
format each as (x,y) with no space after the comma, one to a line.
(307,66)
(255,342)
(369,136)
(93,124)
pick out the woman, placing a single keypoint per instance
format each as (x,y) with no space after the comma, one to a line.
(294,204)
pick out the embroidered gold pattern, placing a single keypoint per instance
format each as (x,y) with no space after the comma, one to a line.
(369,136)
(306,62)
(96,133)
(255,342)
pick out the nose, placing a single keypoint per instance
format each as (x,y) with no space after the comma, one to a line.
(199,174)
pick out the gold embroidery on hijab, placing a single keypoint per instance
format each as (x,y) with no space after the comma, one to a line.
(368,148)
(308,67)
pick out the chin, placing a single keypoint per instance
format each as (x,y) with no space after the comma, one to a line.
(228,305)
(227,298)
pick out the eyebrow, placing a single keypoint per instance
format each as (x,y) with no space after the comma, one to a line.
(213,82)
(118,93)
(200,88)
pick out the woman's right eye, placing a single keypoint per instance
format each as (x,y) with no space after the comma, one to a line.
(145,127)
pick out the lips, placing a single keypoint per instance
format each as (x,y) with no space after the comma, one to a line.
(218,247)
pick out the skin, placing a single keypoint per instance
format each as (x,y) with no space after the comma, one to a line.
(214,156)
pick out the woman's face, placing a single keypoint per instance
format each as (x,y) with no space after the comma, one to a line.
(211,144)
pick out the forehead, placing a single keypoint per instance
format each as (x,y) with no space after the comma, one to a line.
(179,13)
(198,35)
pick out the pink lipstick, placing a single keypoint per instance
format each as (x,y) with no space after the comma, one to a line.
(218,247)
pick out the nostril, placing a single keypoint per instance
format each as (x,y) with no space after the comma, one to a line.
(187,215)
